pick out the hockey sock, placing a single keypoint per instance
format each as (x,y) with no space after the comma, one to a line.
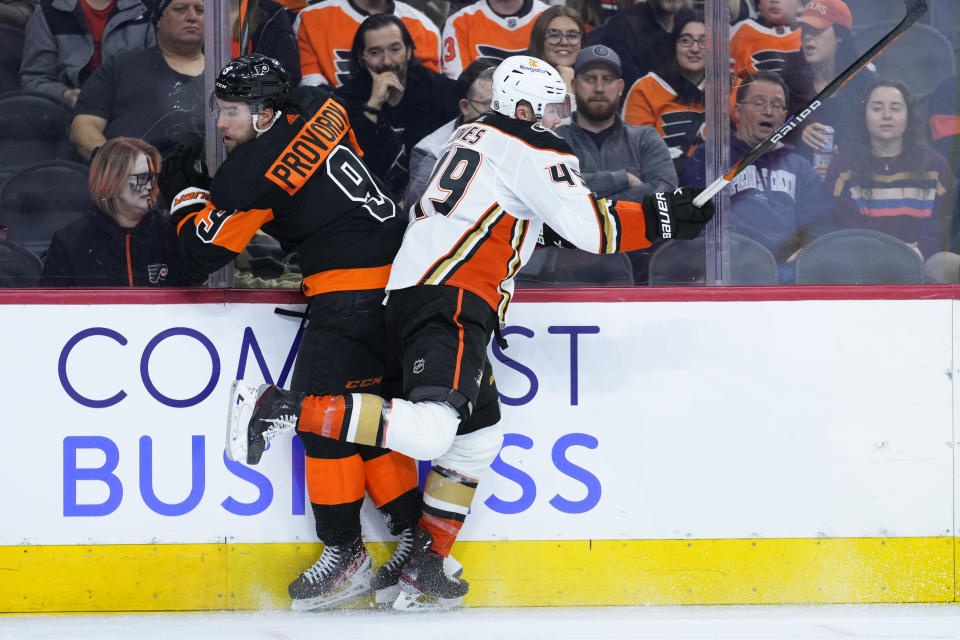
(355,417)
(336,495)
(391,481)
(446,502)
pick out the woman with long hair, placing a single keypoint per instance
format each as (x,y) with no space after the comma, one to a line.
(125,241)
(827,49)
(887,178)
(670,99)
(557,37)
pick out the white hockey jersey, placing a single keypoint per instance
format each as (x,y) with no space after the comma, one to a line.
(495,184)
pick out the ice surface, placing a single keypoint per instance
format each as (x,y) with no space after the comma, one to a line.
(914,622)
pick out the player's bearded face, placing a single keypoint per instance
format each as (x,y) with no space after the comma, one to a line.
(235,124)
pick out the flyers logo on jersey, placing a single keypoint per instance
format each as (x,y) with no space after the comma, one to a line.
(309,148)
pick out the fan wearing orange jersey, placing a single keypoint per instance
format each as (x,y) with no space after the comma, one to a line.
(763,44)
(325,33)
(494,29)
(670,99)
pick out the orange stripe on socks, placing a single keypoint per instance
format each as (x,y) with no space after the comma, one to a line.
(322,415)
(333,482)
(443,531)
(389,476)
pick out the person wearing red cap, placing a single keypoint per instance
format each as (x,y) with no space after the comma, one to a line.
(827,49)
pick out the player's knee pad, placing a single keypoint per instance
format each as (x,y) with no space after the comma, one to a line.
(472,453)
(422,430)
(460,403)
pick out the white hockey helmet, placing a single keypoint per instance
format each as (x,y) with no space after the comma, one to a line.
(533,80)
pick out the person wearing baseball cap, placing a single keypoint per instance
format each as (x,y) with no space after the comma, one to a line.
(618,160)
(827,48)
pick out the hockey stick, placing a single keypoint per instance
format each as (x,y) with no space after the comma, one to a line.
(915,9)
(244,28)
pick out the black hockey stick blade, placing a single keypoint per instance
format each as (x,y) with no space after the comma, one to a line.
(244,28)
(915,9)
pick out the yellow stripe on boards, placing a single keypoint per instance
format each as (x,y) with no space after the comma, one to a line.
(502,574)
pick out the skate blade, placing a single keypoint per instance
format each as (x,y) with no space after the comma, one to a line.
(414,601)
(385,597)
(338,596)
(243,400)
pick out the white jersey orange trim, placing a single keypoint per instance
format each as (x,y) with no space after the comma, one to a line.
(491,191)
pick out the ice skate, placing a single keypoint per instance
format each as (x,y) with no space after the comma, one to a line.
(386,582)
(341,574)
(424,585)
(257,414)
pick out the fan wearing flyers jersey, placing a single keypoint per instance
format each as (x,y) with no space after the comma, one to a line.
(498,181)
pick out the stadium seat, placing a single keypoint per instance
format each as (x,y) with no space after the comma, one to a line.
(41,199)
(922,57)
(859,256)
(556,267)
(19,268)
(11,53)
(683,262)
(33,128)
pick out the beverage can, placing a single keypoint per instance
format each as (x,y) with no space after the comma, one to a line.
(823,155)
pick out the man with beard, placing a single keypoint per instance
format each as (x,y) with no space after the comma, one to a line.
(777,200)
(392,99)
(640,33)
(619,161)
(293,170)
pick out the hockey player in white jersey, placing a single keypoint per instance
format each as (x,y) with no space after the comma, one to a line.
(498,180)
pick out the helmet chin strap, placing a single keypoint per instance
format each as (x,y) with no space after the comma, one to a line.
(253,116)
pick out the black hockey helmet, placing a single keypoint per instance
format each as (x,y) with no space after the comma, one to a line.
(255,79)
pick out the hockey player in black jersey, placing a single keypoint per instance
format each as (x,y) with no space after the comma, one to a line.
(294,171)
(497,181)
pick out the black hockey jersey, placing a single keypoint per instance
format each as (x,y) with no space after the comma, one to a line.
(302,182)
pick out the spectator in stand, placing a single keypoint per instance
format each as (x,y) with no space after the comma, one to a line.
(474,89)
(494,29)
(777,200)
(763,44)
(271,33)
(641,33)
(393,101)
(671,98)
(325,32)
(155,94)
(66,40)
(618,161)
(887,178)
(828,49)
(125,241)
(556,37)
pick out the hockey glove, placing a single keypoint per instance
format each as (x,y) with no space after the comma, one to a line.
(184,182)
(672,215)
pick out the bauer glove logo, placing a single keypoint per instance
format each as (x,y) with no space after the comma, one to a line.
(666,231)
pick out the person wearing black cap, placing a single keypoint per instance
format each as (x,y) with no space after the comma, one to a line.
(619,161)
(155,94)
